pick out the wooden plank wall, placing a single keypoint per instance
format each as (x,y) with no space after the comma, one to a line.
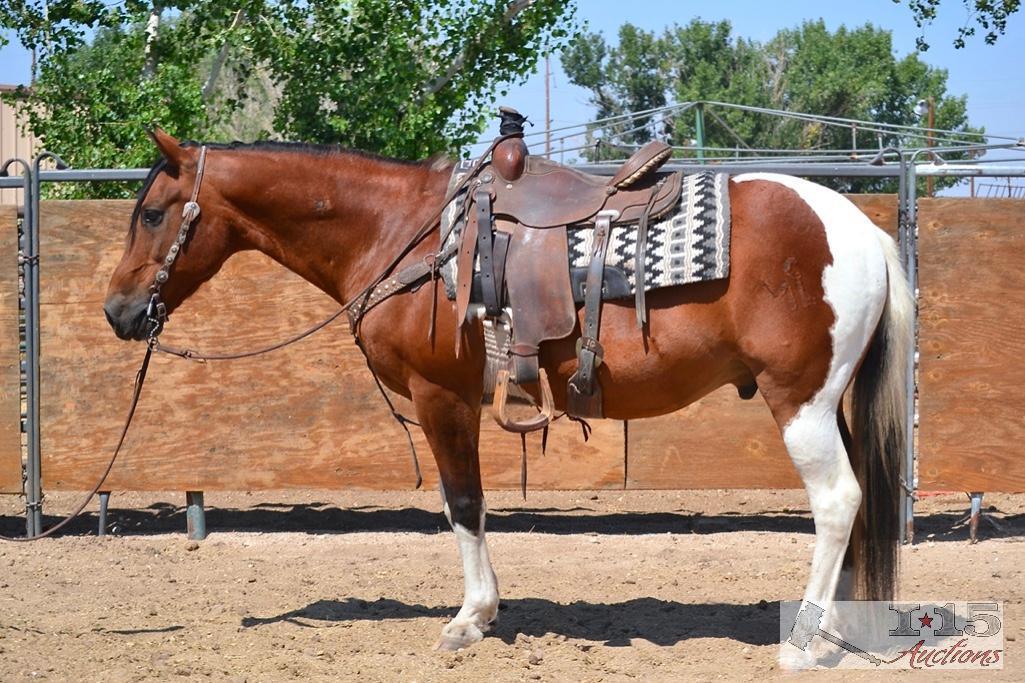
(10,394)
(972,312)
(306,417)
(309,416)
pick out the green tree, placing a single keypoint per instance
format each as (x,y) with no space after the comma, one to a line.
(406,78)
(989,15)
(849,73)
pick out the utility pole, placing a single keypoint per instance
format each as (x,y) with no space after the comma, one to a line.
(548,110)
(699,130)
(929,142)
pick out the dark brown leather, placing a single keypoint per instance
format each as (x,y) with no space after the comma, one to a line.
(510,158)
(532,201)
(540,297)
(464,272)
(640,267)
(641,163)
(583,392)
(550,195)
(490,286)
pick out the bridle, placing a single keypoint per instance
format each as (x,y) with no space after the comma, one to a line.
(156,310)
(381,288)
(156,314)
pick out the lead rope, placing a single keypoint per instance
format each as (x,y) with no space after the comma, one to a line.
(158,315)
(140,379)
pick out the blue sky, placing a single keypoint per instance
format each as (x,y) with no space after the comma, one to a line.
(991,76)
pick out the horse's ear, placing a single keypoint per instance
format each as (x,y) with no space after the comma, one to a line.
(176,155)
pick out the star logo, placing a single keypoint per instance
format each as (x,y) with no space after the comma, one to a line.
(926,620)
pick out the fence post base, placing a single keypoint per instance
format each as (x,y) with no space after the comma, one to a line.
(101,529)
(195,515)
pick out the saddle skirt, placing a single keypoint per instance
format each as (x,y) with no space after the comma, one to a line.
(691,244)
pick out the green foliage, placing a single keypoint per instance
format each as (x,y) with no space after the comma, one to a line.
(406,78)
(401,78)
(86,106)
(850,73)
(989,15)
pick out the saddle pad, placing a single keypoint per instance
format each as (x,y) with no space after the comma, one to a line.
(692,244)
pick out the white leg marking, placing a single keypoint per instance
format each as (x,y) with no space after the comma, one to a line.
(480,597)
(855,287)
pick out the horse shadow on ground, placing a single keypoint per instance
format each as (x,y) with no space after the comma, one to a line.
(662,622)
(322,518)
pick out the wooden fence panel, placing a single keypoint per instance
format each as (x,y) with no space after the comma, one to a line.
(10,394)
(972,340)
(305,417)
(309,415)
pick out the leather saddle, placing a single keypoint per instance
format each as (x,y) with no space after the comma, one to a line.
(517,214)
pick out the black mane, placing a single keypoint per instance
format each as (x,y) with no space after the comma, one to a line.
(298,148)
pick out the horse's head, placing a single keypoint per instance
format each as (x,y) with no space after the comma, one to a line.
(154,228)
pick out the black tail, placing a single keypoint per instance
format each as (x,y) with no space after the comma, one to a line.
(879,403)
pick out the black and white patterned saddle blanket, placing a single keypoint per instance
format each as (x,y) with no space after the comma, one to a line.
(691,244)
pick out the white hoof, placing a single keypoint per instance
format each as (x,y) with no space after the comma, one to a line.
(793,659)
(459,635)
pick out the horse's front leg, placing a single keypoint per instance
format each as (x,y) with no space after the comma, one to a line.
(452,426)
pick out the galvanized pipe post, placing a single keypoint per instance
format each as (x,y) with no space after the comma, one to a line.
(902,208)
(34,492)
(34,486)
(909,483)
(974,515)
(101,529)
(26,259)
(699,130)
(195,516)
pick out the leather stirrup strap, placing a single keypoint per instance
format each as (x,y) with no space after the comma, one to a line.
(640,260)
(464,266)
(583,395)
(485,253)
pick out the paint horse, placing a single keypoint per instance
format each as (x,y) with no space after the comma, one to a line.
(338,218)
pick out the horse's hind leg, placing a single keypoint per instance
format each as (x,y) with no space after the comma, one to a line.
(815,444)
(816,447)
(452,427)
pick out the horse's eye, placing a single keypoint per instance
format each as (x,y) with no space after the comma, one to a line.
(152,217)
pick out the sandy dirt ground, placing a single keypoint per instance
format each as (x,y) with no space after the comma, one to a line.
(320,586)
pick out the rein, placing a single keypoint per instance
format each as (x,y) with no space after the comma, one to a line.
(156,313)
(381,288)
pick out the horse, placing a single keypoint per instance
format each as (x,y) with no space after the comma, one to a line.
(338,218)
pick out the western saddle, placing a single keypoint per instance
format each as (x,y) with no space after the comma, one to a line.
(517,216)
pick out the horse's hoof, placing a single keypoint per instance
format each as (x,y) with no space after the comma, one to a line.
(793,659)
(458,636)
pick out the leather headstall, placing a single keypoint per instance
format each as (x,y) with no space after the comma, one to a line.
(156,311)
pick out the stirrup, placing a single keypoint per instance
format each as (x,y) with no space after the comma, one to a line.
(539,421)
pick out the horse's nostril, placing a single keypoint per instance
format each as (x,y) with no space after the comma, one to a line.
(110,313)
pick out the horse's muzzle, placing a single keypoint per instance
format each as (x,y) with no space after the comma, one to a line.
(127,318)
